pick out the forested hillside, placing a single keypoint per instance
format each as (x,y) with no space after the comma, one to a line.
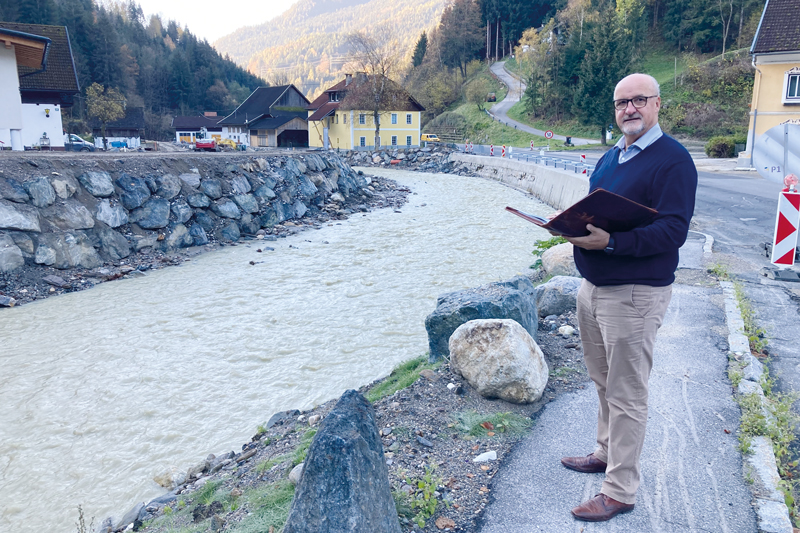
(163,68)
(307,44)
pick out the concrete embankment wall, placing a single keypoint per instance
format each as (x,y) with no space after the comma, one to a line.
(80,212)
(556,187)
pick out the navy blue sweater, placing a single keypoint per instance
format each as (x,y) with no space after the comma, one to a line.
(662,176)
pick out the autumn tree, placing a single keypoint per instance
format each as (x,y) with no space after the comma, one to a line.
(477,92)
(106,105)
(461,34)
(375,60)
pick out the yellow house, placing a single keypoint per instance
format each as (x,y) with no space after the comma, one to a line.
(336,122)
(776,58)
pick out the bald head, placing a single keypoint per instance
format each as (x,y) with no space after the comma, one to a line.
(639,78)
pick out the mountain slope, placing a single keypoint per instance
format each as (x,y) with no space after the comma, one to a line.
(307,44)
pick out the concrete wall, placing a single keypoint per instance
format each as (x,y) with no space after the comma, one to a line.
(555,187)
(36,122)
(10,99)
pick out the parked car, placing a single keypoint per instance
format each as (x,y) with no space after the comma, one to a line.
(73,143)
(429,137)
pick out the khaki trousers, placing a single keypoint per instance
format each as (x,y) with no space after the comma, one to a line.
(618,326)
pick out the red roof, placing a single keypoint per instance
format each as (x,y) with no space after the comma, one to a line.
(324,111)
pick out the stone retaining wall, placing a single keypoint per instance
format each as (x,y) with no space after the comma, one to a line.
(555,187)
(82,212)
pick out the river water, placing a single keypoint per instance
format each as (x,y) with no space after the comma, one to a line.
(101,390)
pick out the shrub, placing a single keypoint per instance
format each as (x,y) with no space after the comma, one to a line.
(720,147)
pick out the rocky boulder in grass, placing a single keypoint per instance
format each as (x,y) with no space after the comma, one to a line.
(557,296)
(512,299)
(500,359)
(344,487)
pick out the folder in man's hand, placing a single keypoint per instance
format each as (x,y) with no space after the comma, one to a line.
(600,208)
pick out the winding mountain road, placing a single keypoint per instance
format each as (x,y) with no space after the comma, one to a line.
(516,88)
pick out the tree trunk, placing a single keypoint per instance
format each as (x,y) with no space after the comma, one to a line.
(497,41)
(105,142)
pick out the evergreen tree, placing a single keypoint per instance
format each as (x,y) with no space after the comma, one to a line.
(420,49)
(36,11)
(461,34)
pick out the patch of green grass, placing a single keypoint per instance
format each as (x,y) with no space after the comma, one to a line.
(483,130)
(264,466)
(565,127)
(269,506)
(424,499)
(472,423)
(563,371)
(756,335)
(301,451)
(719,271)
(206,494)
(661,65)
(401,377)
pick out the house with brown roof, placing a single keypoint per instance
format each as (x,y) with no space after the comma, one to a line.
(37,80)
(776,57)
(270,117)
(339,117)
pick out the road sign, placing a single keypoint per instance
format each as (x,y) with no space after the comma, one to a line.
(504,150)
(786,224)
(776,153)
(548,134)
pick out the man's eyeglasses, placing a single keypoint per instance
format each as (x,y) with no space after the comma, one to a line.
(638,102)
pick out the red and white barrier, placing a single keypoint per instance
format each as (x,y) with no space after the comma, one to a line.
(531,145)
(786,224)
(491,149)
(504,151)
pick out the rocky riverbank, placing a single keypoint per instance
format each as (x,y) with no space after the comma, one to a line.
(438,425)
(434,159)
(69,223)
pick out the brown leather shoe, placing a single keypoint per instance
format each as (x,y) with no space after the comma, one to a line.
(600,508)
(589,464)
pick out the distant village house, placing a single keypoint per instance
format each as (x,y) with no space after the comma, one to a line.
(337,118)
(126,132)
(271,117)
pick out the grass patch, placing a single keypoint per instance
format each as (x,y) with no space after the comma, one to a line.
(479,424)
(424,500)
(264,466)
(571,128)
(301,451)
(720,272)
(401,377)
(756,336)
(269,506)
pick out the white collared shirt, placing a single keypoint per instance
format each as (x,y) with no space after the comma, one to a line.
(652,135)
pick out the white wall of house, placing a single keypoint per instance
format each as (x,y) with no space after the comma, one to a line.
(238,134)
(36,123)
(132,142)
(10,99)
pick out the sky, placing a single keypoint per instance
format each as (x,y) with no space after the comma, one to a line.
(212,19)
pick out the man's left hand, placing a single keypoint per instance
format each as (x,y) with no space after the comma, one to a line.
(596,240)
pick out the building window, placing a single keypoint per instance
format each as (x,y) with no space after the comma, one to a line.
(394,118)
(793,87)
(344,118)
(362,118)
(337,118)
(394,140)
(363,139)
(408,118)
(408,140)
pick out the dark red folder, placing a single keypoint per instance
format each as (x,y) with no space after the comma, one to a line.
(600,208)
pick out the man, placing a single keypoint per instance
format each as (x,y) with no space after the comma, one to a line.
(626,289)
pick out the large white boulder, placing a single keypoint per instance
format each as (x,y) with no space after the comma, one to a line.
(559,261)
(499,359)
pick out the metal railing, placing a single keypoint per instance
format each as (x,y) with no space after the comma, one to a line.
(578,167)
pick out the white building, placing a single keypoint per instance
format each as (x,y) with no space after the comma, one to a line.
(37,80)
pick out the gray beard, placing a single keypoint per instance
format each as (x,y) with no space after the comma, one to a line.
(633,130)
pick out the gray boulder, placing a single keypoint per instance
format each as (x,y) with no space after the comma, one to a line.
(97,183)
(65,186)
(191,179)
(154,214)
(344,487)
(113,245)
(40,191)
(225,208)
(206,220)
(299,208)
(247,202)
(11,189)
(10,255)
(249,224)
(20,217)
(240,185)
(265,193)
(500,359)
(557,296)
(269,218)
(511,299)
(229,233)
(69,215)
(112,215)
(24,241)
(212,188)
(168,186)
(66,250)
(182,211)
(559,261)
(136,191)
(179,237)
(198,234)
(198,200)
